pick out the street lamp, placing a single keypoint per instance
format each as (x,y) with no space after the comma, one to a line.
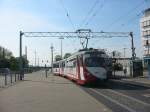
(61,38)
(45,66)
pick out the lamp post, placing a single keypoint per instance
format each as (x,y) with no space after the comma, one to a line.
(52,50)
(45,66)
(61,46)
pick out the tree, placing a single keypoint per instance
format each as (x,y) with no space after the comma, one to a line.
(5,53)
(57,58)
(7,60)
(67,55)
(14,63)
(4,63)
(116,54)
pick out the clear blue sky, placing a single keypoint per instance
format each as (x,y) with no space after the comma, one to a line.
(51,15)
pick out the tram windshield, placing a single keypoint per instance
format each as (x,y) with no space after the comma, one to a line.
(94,62)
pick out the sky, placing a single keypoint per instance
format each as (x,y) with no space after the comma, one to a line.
(69,15)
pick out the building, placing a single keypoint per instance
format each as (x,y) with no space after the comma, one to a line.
(145,32)
(145,35)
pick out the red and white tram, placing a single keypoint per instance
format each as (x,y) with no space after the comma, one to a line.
(86,66)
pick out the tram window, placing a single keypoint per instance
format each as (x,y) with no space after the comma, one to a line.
(63,64)
(71,64)
(56,65)
(74,64)
(94,62)
(80,61)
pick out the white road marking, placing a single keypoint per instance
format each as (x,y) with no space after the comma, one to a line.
(129,97)
(114,101)
(147,95)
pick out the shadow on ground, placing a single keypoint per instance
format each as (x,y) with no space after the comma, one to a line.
(49,82)
(117,85)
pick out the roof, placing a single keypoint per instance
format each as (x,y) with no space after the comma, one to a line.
(82,51)
(147,12)
(146,58)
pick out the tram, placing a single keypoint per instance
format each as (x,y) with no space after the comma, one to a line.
(85,66)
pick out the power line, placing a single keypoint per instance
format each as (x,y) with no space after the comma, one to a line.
(95,13)
(119,18)
(133,18)
(67,14)
(89,13)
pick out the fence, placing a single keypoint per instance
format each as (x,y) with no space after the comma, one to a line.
(8,79)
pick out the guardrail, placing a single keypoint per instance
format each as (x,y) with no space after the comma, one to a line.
(7,79)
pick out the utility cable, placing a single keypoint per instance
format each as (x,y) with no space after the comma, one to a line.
(89,12)
(95,13)
(119,18)
(67,14)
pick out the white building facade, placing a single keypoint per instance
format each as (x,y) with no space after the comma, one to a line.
(145,32)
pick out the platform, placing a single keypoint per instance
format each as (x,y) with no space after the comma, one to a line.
(53,94)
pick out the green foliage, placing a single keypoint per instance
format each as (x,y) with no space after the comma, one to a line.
(5,53)
(4,63)
(8,61)
(118,66)
(67,55)
(58,58)
(14,63)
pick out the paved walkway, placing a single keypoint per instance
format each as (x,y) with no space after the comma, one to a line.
(144,80)
(54,94)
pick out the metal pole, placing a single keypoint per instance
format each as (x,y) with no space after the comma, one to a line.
(38,61)
(132,47)
(45,70)
(3,53)
(26,53)
(35,58)
(61,47)
(11,78)
(52,57)
(124,49)
(20,59)
(87,40)
(15,77)
(5,79)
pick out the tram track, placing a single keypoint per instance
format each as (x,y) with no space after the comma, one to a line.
(121,99)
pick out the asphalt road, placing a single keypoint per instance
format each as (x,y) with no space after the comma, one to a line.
(122,96)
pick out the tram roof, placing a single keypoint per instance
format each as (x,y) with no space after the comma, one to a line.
(82,51)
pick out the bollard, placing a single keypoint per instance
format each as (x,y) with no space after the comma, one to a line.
(46,73)
(5,79)
(11,77)
(18,76)
(15,77)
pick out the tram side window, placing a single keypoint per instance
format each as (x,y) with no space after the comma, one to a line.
(63,64)
(71,63)
(56,65)
(74,64)
(80,61)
